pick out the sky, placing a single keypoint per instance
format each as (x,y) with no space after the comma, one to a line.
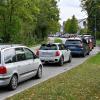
(68,8)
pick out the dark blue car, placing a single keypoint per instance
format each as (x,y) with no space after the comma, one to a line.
(77,46)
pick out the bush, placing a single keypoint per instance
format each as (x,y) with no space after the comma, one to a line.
(57,40)
(98,35)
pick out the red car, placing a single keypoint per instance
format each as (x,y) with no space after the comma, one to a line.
(90,43)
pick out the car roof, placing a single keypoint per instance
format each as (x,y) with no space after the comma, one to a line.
(87,35)
(5,46)
(76,38)
(52,43)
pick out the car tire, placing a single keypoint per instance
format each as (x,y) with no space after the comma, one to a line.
(88,53)
(70,58)
(61,61)
(83,55)
(13,82)
(39,72)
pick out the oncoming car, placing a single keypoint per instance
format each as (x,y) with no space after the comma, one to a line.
(18,63)
(54,53)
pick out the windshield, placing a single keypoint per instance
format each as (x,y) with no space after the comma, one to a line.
(72,42)
(48,47)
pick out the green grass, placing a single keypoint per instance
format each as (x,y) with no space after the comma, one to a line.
(80,83)
(98,42)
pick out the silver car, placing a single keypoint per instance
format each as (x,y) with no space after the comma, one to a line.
(54,53)
(18,63)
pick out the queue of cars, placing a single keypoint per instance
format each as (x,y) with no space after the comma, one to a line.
(19,63)
(78,44)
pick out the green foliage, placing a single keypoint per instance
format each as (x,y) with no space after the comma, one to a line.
(98,42)
(84,30)
(67,26)
(27,21)
(57,40)
(92,7)
(71,25)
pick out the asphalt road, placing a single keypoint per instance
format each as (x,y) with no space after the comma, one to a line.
(49,71)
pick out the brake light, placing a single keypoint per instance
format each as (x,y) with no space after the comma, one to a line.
(57,53)
(3,70)
(81,45)
(37,53)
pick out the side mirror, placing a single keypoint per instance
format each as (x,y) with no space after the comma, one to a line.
(35,56)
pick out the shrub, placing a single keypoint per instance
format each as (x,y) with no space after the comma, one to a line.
(57,40)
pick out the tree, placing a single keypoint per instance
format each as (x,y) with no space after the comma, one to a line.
(49,13)
(67,26)
(23,21)
(71,25)
(14,13)
(92,7)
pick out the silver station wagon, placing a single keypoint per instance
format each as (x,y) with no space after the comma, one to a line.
(18,63)
(54,53)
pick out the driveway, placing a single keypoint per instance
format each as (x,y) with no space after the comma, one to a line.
(49,71)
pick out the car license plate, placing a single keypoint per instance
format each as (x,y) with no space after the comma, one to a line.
(46,53)
(72,47)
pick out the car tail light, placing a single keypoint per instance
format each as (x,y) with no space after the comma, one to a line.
(37,53)
(57,53)
(81,45)
(3,70)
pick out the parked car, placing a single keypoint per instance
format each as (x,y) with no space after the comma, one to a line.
(77,46)
(92,38)
(18,63)
(54,53)
(89,42)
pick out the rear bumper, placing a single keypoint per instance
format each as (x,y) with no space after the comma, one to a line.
(77,52)
(49,59)
(4,81)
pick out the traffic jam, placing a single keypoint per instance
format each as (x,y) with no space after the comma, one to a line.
(19,63)
(72,45)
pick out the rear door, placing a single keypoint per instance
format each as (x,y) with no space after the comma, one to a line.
(31,61)
(21,63)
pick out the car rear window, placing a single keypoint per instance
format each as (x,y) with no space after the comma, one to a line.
(72,42)
(48,47)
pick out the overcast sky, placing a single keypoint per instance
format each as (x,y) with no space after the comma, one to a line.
(68,8)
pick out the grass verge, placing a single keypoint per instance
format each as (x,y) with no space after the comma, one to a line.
(80,83)
(98,42)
